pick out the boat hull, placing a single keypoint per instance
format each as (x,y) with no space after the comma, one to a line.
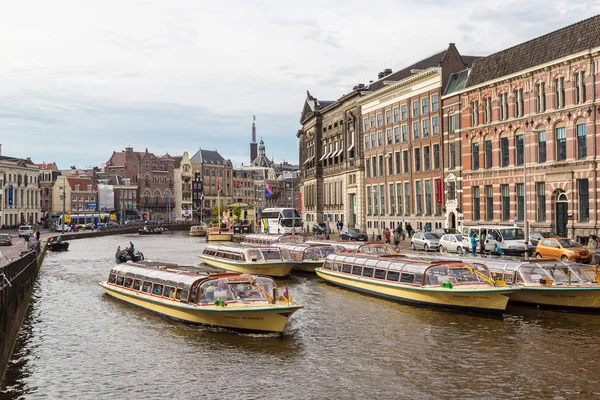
(198,233)
(487,300)
(273,268)
(244,317)
(219,237)
(63,246)
(308,266)
(582,298)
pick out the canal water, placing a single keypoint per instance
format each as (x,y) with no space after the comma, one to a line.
(78,343)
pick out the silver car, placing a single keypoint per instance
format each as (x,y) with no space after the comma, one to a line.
(452,243)
(425,240)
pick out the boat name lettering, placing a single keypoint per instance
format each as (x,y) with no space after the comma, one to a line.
(248,318)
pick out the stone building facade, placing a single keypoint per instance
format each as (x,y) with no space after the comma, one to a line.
(19,191)
(48,174)
(213,169)
(183,175)
(529,136)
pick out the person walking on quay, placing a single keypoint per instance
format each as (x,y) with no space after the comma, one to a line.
(397,239)
(341,226)
(473,245)
(409,229)
(387,235)
(37,235)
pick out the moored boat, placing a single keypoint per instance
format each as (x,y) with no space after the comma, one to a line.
(151,231)
(218,234)
(198,230)
(228,300)
(447,284)
(270,261)
(57,244)
(265,240)
(307,257)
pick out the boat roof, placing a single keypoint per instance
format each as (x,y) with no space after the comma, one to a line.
(273,238)
(407,265)
(301,246)
(165,276)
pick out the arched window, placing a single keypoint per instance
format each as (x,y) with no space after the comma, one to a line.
(560,138)
(156,196)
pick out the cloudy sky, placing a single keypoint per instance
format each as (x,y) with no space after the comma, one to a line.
(79,78)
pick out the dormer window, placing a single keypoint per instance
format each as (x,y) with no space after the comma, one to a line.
(76,188)
(89,188)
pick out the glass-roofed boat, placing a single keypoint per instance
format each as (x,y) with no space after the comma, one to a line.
(270,261)
(307,257)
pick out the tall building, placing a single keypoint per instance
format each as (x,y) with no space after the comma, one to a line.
(48,174)
(184,175)
(253,152)
(528,119)
(214,170)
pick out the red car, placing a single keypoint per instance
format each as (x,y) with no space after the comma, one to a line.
(5,239)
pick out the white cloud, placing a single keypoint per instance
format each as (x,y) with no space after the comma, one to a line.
(91,77)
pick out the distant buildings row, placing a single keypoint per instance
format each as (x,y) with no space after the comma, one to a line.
(455,139)
(132,185)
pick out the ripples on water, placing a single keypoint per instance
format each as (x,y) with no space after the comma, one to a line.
(78,343)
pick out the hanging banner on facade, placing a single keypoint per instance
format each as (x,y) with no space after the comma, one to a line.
(10,195)
(299,205)
(438,192)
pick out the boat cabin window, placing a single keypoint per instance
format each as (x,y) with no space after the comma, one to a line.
(120,280)
(439,275)
(407,278)
(336,267)
(585,272)
(157,289)
(169,292)
(368,272)
(217,289)
(266,284)
(181,294)
(271,254)
(112,278)
(147,286)
(531,275)
(347,268)
(128,282)
(356,270)
(380,273)
(393,276)
(253,255)
(137,284)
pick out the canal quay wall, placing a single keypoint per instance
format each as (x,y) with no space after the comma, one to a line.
(17,280)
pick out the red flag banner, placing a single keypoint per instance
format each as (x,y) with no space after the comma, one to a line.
(438,192)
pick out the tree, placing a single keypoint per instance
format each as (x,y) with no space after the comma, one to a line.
(237,212)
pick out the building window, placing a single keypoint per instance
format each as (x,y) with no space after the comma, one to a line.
(503,102)
(366,121)
(435,125)
(540,97)
(584,200)
(559,92)
(382,197)
(388,117)
(436,156)
(397,157)
(451,189)
(425,106)
(404,112)
(428,197)
(489,203)
(367,168)
(581,141)
(392,199)
(451,123)
(476,204)
(379,121)
(561,143)
(520,149)
(369,204)
(399,197)
(419,197)
(434,103)
(404,133)
(379,138)
(406,198)
(374,166)
(520,202)
(417,159)
(367,142)
(475,156)
(474,113)
(388,134)
(405,161)
(416,130)
(396,135)
(487,110)
(372,120)
(452,160)
(505,191)
(542,147)
(580,87)
(519,103)
(425,128)
(375,201)
(504,152)
(390,162)
(415,108)
(540,191)
(380,165)
(396,114)
(488,154)
(426,158)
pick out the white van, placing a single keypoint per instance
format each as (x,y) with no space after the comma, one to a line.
(511,239)
(25,230)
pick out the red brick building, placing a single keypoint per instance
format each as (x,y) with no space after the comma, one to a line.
(521,134)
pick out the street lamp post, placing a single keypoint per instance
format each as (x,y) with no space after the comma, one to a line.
(525,221)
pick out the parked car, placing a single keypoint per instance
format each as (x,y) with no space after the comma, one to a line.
(452,243)
(563,249)
(25,230)
(320,227)
(5,239)
(535,237)
(425,240)
(353,234)
(445,231)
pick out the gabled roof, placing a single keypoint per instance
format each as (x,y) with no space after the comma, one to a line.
(571,39)
(26,161)
(207,157)
(177,161)
(47,166)
(81,181)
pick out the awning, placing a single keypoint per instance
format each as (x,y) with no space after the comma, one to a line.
(323,156)
(309,159)
(339,152)
(351,147)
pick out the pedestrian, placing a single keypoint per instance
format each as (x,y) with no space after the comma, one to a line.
(482,241)
(497,249)
(37,235)
(387,235)
(131,246)
(397,239)
(409,229)
(341,226)
(473,245)
(337,225)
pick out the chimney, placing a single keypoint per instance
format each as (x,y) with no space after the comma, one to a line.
(387,72)
(380,75)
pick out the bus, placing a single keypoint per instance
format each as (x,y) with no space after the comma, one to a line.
(281,220)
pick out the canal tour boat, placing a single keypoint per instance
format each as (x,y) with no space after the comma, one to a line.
(370,248)
(270,261)
(228,300)
(265,240)
(217,234)
(307,257)
(198,230)
(447,284)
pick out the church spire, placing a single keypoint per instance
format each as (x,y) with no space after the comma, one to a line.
(253,145)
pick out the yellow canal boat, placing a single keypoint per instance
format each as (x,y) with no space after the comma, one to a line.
(448,284)
(228,300)
(270,261)
(198,230)
(307,257)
